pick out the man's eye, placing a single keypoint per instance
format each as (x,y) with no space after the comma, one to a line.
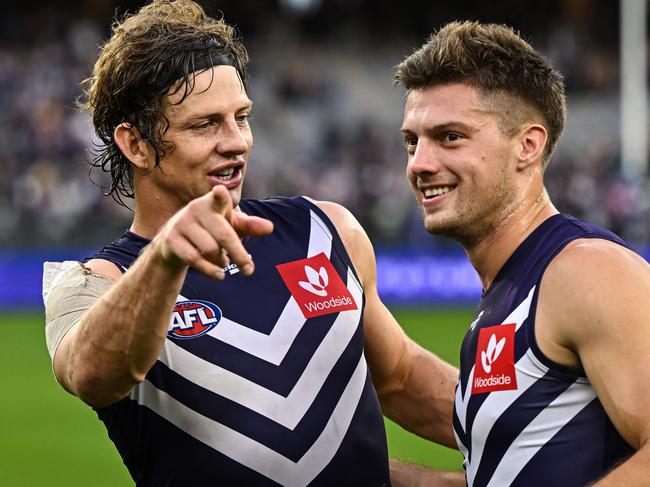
(410,141)
(243,118)
(452,137)
(201,126)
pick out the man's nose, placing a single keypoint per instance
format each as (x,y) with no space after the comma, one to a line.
(233,139)
(425,158)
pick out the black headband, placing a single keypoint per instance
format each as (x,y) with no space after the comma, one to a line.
(198,61)
(207,60)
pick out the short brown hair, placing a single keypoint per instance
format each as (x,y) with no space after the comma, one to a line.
(147,54)
(497,61)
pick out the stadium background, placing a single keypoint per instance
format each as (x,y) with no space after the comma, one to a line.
(326,124)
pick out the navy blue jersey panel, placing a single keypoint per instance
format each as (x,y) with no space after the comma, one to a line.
(123,251)
(259,315)
(510,424)
(371,467)
(264,390)
(578,466)
(183,463)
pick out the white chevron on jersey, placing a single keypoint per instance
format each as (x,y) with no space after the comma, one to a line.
(274,346)
(541,429)
(495,404)
(251,453)
(287,411)
(320,237)
(518,316)
(461,408)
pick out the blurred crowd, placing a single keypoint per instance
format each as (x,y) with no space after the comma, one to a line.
(327,116)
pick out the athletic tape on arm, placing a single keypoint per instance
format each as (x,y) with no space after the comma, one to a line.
(69,290)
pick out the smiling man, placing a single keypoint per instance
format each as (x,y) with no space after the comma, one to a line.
(225,341)
(555,367)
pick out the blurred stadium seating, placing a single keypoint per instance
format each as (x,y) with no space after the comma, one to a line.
(326,124)
(326,119)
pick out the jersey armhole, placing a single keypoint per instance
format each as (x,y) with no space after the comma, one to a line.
(337,243)
(553,367)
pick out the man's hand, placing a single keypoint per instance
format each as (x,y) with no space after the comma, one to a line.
(207,233)
(410,475)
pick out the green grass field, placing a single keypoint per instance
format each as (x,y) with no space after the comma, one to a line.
(49,438)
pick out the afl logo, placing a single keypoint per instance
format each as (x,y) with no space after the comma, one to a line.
(191,319)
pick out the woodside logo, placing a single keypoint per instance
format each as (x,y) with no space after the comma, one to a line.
(494,369)
(316,281)
(316,286)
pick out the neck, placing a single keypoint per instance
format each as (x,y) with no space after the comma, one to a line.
(146,226)
(152,210)
(151,215)
(492,251)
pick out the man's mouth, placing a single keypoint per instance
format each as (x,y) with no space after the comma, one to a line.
(226,174)
(430,193)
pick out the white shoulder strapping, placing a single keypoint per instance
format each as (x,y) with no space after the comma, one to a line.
(69,290)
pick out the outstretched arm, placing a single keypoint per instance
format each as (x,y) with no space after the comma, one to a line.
(120,337)
(415,388)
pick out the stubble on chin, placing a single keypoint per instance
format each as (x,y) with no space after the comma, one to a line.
(437,226)
(457,228)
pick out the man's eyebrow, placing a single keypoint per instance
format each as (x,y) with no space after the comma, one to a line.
(441,127)
(451,125)
(194,116)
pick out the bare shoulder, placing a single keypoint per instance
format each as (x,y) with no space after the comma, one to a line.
(599,253)
(586,290)
(596,265)
(104,268)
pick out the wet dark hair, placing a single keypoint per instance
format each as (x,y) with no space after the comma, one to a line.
(148,54)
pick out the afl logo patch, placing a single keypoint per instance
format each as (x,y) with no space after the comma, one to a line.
(191,319)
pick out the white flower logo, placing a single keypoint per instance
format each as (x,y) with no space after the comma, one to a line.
(316,281)
(492,354)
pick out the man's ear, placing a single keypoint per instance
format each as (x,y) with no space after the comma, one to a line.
(134,147)
(532,138)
